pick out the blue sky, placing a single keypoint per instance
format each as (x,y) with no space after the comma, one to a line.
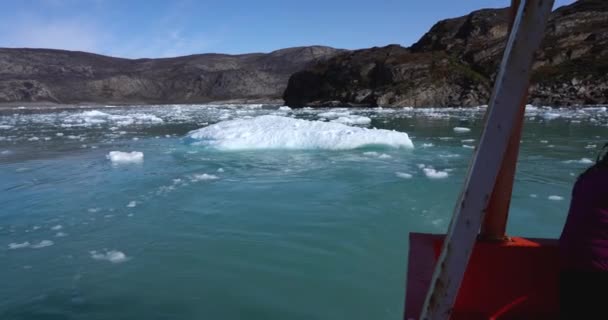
(137,28)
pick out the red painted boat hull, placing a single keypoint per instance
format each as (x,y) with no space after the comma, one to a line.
(517,279)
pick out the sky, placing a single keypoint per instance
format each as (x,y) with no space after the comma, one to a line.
(154,28)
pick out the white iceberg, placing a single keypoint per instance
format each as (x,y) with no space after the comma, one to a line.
(275,132)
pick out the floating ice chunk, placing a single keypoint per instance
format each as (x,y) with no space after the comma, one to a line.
(14,245)
(57,227)
(132,204)
(467,140)
(59,134)
(203,177)
(333,114)
(581,161)
(275,132)
(113,256)
(461,130)
(42,244)
(353,120)
(530,108)
(434,174)
(555,198)
(119,157)
(551,115)
(403,175)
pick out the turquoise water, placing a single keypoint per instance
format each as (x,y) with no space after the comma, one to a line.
(265,234)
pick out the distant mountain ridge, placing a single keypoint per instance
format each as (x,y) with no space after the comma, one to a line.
(455,63)
(59,76)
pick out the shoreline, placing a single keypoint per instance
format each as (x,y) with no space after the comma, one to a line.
(271,103)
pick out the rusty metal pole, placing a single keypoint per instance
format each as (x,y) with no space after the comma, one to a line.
(494,226)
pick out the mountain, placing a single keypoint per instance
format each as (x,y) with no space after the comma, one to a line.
(44,75)
(455,63)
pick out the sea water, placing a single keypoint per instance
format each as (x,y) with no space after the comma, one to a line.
(249,212)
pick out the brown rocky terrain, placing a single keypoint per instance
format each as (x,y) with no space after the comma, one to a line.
(455,63)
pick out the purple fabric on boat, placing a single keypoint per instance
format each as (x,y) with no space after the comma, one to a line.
(584,240)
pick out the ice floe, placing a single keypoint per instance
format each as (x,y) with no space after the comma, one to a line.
(203,177)
(461,129)
(42,244)
(435,174)
(119,157)
(113,256)
(15,245)
(353,120)
(403,175)
(581,161)
(275,132)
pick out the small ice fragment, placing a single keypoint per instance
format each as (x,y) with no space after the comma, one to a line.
(119,157)
(403,175)
(434,174)
(14,245)
(461,130)
(555,198)
(132,204)
(203,177)
(112,256)
(42,244)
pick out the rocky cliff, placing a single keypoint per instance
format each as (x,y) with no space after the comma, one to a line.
(455,63)
(39,75)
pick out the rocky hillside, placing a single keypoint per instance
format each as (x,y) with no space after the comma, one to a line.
(455,63)
(38,75)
